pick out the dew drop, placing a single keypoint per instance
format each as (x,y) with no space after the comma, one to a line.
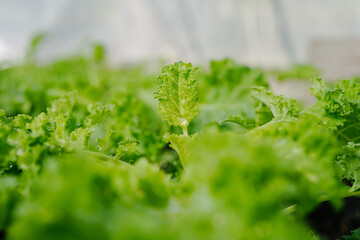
(183,122)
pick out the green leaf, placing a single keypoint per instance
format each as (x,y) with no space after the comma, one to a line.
(240,120)
(339,105)
(349,164)
(64,104)
(3,117)
(181,144)
(97,114)
(60,133)
(103,142)
(21,120)
(281,108)
(177,94)
(226,90)
(38,126)
(355,235)
(127,150)
(79,139)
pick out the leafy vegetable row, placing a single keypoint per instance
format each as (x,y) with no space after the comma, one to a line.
(85,156)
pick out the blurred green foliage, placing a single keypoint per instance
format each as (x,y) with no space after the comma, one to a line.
(298,72)
(84,154)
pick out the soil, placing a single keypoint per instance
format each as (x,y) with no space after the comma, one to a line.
(330,224)
(2,234)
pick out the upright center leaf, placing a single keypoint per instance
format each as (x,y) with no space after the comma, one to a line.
(177,94)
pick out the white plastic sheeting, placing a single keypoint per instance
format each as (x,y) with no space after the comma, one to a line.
(271,33)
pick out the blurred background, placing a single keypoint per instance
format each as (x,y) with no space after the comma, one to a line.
(273,34)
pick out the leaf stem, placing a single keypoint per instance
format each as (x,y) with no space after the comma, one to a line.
(185,131)
(104,157)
